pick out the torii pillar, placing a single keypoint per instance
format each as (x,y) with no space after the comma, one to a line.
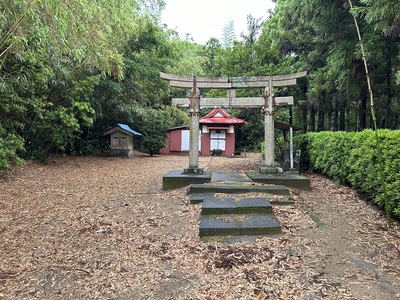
(194,110)
(269,139)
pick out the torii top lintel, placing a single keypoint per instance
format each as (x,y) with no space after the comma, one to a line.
(232,82)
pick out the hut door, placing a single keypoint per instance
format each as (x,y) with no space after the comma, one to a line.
(217,139)
(185,140)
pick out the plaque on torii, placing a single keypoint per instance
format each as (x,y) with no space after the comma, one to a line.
(266,103)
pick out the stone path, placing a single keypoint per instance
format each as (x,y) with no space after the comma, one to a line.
(229,177)
(228,217)
(238,215)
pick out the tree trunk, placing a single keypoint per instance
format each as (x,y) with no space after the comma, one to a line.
(359,77)
(342,117)
(362,113)
(329,119)
(304,114)
(388,115)
(312,118)
(335,119)
(321,119)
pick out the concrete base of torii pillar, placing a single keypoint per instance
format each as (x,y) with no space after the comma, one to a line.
(270,170)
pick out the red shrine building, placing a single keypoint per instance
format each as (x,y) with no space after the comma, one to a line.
(217,135)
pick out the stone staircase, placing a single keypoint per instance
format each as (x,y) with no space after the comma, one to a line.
(236,215)
(242,217)
(238,189)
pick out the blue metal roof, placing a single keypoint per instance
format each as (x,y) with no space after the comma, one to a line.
(127,128)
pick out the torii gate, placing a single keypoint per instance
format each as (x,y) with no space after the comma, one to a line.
(267,103)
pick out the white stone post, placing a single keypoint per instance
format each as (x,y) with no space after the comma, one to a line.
(194,141)
(194,110)
(269,140)
(269,126)
(291,147)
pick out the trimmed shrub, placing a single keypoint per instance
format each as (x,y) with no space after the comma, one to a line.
(351,158)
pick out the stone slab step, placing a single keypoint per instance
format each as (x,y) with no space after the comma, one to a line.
(177,179)
(288,179)
(199,198)
(238,188)
(229,177)
(216,206)
(230,239)
(239,225)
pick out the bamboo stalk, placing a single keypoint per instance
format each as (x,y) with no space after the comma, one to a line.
(378,149)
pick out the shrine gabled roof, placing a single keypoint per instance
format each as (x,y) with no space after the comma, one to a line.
(127,128)
(220,116)
(124,128)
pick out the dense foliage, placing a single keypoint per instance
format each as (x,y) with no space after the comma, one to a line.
(351,158)
(52,56)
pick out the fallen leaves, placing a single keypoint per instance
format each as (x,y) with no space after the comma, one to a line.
(102,228)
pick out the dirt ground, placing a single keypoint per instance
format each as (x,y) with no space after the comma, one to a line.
(102,228)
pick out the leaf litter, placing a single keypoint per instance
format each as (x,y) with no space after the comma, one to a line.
(102,228)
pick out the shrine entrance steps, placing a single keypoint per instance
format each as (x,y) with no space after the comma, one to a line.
(238,181)
(237,217)
(229,215)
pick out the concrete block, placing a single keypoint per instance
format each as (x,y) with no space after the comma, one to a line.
(215,206)
(289,179)
(177,179)
(237,189)
(234,225)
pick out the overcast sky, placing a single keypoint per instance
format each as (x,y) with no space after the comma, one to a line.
(204,19)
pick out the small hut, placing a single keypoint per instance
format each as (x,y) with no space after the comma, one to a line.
(177,140)
(219,132)
(121,140)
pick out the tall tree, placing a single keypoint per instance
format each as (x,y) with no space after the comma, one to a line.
(228,35)
(212,52)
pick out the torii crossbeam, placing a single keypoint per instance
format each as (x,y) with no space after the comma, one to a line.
(267,103)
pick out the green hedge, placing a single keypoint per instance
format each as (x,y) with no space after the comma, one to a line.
(350,158)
